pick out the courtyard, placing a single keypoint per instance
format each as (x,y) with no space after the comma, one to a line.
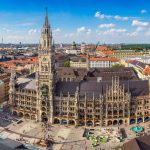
(65,137)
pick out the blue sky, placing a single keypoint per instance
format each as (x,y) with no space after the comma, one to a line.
(107,21)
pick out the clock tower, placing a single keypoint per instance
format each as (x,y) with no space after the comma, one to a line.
(45,75)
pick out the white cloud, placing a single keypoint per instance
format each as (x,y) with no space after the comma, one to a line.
(81,29)
(113,30)
(139,23)
(84,30)
(138,29)
(132,34)
(26,24)
(6,30)
(141,26)
(143,11)
(148,32)
(16,38)
(88,32)
(111,25)
(32,31)
(57,30)
(117,17)
(70,35)
(100,15)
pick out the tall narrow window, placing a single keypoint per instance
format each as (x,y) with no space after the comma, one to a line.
(47,42)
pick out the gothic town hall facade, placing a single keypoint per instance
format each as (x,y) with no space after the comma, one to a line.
(78,96)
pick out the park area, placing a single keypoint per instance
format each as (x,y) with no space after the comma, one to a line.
(102,136)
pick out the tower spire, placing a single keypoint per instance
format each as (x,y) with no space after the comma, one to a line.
(45,74)
(46,18)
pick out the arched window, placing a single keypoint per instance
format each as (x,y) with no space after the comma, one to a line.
(46,68)
(42,68)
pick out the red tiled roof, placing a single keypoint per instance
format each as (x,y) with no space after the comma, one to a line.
(102,48)
(147,70)
(104,59)
(108,52)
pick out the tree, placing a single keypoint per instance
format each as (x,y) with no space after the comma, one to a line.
(118,66)
(67,63)
(44,89)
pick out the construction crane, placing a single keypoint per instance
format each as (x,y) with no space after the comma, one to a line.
(97,45)
(93,50)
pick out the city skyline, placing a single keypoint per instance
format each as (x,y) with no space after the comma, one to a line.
(56,96)
(107,22)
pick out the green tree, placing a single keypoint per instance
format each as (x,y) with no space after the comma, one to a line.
(118,66)
(67,63)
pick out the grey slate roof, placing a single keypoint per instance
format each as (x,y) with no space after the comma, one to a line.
(107,73)
(90,89)
(88,84)
(137,88)
(65,87)
(26,83)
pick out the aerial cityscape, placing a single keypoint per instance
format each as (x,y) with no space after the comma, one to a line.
(75,75)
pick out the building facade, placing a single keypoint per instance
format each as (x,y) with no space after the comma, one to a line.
(97,97)
(128,53)
(93,62)
(103,62)
(4,89)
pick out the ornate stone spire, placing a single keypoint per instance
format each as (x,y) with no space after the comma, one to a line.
(46,24)
(46,37)
(46,71)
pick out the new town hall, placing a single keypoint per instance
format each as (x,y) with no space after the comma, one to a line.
(97,97)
